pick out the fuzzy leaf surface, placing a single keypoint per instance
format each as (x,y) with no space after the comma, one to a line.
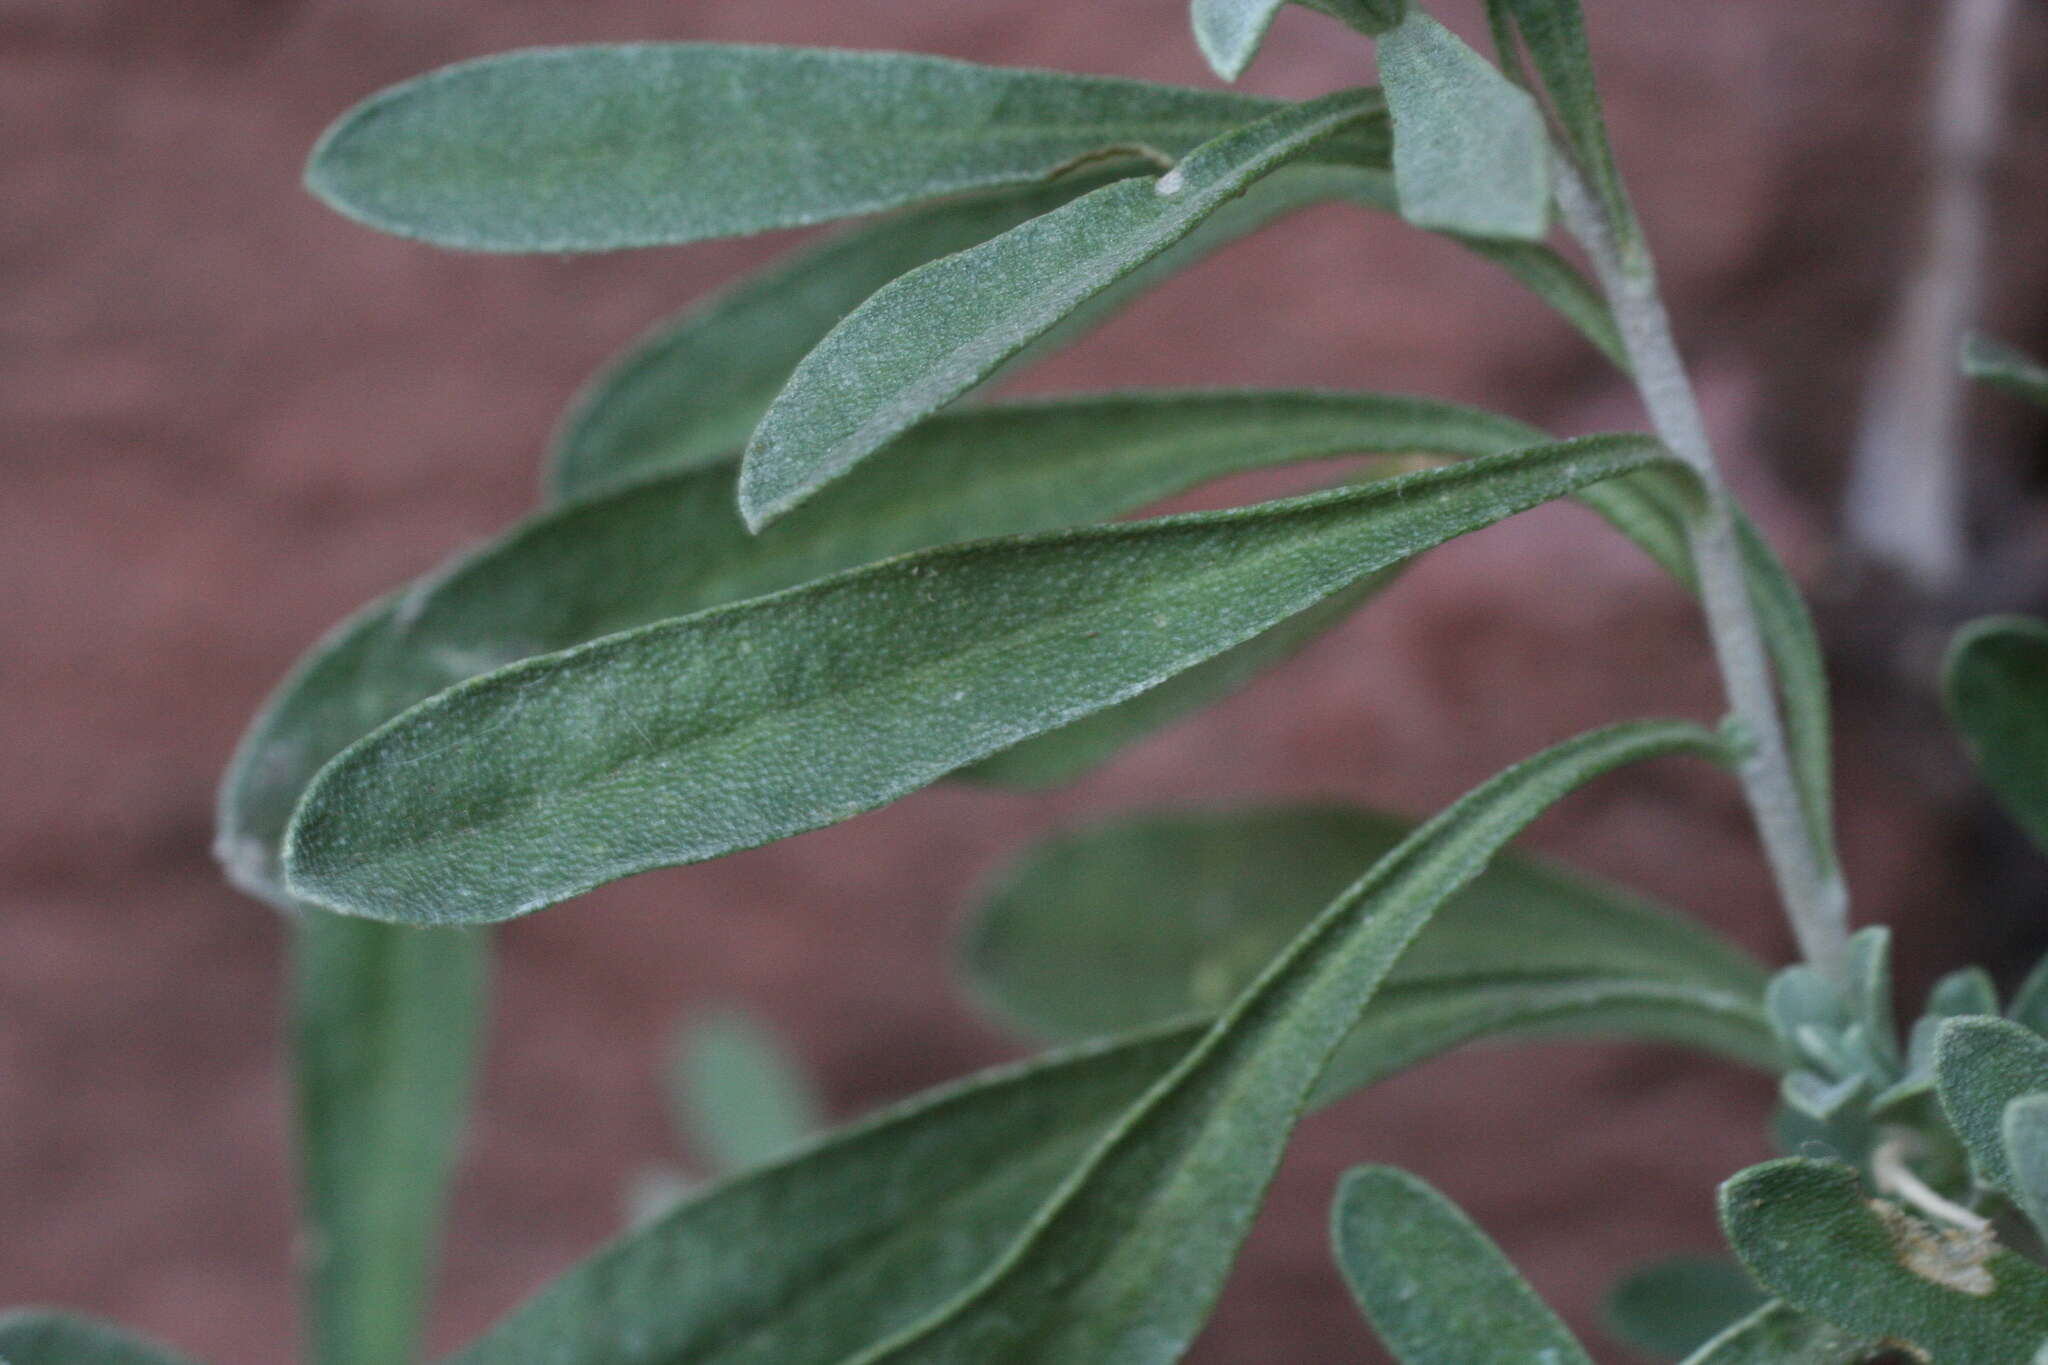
(596,148)
(1996,686)
(923,341)
(1158,917)
(1981,1065)
(739,725)
(2026,1155)
(737,1094)
(1230,32)
(1436,1288)
(2006,369)
(45,1336)
(1779,1334)
(1471,154)
(1125,1263)
(385,1029)
(1672,1308)
(1809,1233)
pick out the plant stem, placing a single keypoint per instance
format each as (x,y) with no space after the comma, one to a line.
(1801,858)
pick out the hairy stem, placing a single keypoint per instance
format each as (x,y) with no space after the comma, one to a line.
(1801,858)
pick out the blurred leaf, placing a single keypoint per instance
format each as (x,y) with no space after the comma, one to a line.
(1966,990)
(688,393)
(674,545)
(2004,368)
(936,333)
(1157,917)
(1555,32)
(601,147)
(2026,1154)
(1779,1334)
(807,1260)
(1980,1066)
(1671,1308)
(385,1026)
(1126,1260)
(2029,1007)
(736,726)
(44,1336)
(1869,974)
(1229,32)
(1808,1232)
(1471,154)
(737,1094)
(1435,1287)
(1996,684)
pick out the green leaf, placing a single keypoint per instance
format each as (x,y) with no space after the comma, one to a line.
(674,546)
(1435,1287)
(1061,755)
(1808,1232)
(736,726)
(1869,976)
(44,1336)
(738,1096)
(2029,1007)
(1980,1066)
(1779,1334)
(601,147)
(1158,917)
(928,338)
(1230,32)
(1471,154)
(1125,1262)
(688,393)
(807,1260)
(2025,1129)
(2007,369)
(1555,32)
(1996,684)
(1671,1308)
(385,1024)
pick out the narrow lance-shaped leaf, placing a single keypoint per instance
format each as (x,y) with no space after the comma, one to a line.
(385,1026)
(2004,368)
(698,737)
(1435,1287)
(1471,154)
(44,1336)
(1230,32)
(737,1095)
(1671,1308)
(690,392)
(1807,1231)
(1162,916)
(1981,1065)
(674,546)
(601,147)
(1996,685)
(1125,1263)
(1779,1334)
(921,342)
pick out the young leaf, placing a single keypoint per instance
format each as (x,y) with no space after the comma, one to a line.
(1869,976)
(1434,1286)
(44,1336)
(385,1023)
(1125,1262)
(673,546)
(1471,154)
(892,1216)
(2002,367)
(2026,1154)
(1160,917)
(1996,685)
(1806,1230)
(1779,1334)
(738,1096)
(925,340)
(1980,1066)
(2029,1008)
(602,147)
(1229,32)
(1672,1308)
(740,725)
(689,393)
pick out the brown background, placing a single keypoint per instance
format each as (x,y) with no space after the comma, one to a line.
(233,416)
